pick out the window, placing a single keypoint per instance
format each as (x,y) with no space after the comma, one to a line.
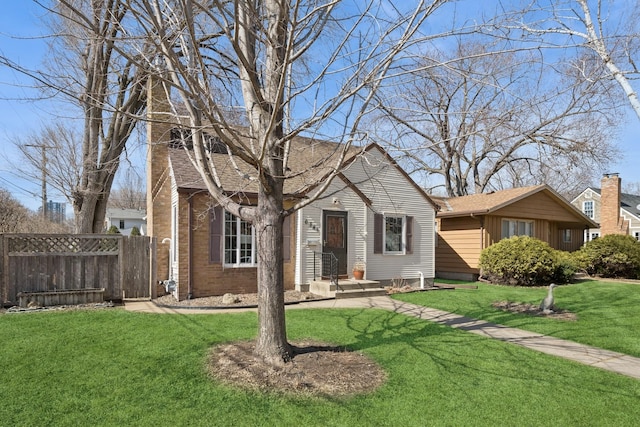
(587,208)
(566,235)
(239,241)
(392,234)
(232,241)
(637,235)
(121,224)
(594,236)
(512,227)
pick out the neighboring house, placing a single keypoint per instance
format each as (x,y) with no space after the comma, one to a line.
(469,224)
(617,212)
(372,212)
(125,220)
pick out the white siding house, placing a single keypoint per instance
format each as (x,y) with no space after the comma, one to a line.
(389,223)
(126,219)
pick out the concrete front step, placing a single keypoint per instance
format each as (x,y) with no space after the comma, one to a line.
(347,288)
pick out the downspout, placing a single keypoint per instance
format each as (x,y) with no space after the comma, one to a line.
(421,279)
(190,248)
(481,220)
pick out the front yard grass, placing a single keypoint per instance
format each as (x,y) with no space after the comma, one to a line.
(608,312)
(113,367)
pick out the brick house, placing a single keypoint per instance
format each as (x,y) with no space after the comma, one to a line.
(372,212)
(616,212)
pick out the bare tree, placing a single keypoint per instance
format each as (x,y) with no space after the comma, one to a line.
(609,30)
(129,192)
(15,218)
(294,67)
(86,67)
(53,154)
(495,117)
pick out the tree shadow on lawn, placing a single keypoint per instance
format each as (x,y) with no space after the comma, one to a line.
(461,357)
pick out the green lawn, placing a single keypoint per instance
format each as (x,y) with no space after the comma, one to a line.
(113,367)
(608,313)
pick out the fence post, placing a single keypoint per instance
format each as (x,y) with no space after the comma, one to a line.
(4,277)
(153,247)
(121,266)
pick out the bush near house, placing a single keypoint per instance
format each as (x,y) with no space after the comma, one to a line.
(135,231)
(612,255)
(525,261)
(113,230)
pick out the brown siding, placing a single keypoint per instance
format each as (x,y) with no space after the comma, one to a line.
(459,245)
(540,206)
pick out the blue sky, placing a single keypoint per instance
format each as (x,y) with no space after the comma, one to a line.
(20,24)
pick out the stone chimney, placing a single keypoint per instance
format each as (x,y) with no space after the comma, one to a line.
(610,220)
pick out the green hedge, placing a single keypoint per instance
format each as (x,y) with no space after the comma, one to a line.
(525,261)
(612,255)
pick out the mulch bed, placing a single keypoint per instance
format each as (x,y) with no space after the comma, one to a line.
(316,369)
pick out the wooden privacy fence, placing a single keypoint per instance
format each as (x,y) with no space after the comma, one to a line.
(51,263)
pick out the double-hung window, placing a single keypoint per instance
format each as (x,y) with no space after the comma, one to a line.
(394,242)
(512,227)
(587,208)
(393,234)
(239,241)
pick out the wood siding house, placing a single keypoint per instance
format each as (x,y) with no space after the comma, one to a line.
(467,225)
(372,212)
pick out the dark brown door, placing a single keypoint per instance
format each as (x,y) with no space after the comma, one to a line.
(334,237)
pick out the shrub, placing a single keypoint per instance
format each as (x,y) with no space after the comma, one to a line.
(525,261)
(135,231)
(612,255)
(113,230)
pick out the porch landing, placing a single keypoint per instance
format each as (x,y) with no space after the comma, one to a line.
(347,288)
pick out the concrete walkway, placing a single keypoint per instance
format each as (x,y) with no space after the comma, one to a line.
(592,356)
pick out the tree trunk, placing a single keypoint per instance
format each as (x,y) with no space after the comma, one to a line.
(271,343)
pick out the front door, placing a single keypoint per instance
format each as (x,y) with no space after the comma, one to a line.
(334,237)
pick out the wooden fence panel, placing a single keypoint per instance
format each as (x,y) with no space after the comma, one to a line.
(46,263)
(135,268)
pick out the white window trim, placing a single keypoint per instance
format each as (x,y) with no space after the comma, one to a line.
(593,208)
(403,243)
(238,246)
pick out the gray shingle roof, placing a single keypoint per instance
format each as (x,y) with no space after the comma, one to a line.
(629,202)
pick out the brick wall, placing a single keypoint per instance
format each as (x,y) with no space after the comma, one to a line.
(209,279)
(158,182)
(610,220)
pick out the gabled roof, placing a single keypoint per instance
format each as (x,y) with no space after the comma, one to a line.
(628,202)
(487,203)
(310,163)
(125,213)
